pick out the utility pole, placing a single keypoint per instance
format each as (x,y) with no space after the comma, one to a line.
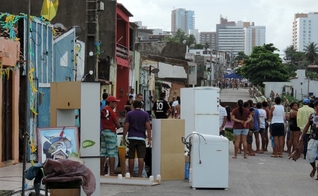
(27,64)
(92,39)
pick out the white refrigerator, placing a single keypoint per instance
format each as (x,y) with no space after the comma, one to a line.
(209,161)
(200,109)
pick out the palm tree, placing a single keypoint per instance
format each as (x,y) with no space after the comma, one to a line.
(311,52)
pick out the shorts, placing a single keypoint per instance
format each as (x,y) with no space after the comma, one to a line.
(262,130)
(312,150)
(139,145)
(108,143)
(238,132)
(278,129)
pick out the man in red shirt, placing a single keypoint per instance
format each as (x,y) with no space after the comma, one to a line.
(109,123)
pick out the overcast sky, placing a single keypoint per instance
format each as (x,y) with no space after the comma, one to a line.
(276,15)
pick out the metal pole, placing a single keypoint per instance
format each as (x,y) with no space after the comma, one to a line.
(25,134)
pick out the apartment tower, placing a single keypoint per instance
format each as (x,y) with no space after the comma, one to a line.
(305,30)
(182,19)
(208,37)
(254,36)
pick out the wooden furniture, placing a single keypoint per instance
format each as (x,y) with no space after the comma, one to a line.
(71,188)
(167,148)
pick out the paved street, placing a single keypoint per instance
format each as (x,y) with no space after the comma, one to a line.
(232,95)
(260,175)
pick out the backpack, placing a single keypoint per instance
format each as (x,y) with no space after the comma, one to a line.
(103,103)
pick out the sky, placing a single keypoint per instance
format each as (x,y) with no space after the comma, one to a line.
(276,15)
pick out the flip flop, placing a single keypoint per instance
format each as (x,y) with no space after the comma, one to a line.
(234,157)
(245,157)
(275,156)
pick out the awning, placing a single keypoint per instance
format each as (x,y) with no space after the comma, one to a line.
(233,75)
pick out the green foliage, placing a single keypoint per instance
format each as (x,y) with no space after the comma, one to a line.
(228,133)
(311,52)
(312,75)
(241,56)
(182,37)
(290,98)
(206,45)
(264,65)
(292,68)
(198,46)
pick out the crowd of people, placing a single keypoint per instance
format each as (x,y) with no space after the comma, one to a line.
(233,83)
(296,128)
(136,129)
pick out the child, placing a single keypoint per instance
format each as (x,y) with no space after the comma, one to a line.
(249,138)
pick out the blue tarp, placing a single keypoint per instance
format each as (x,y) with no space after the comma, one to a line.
(233,75)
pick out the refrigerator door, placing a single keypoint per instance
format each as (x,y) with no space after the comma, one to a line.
(200,110)
(206,101)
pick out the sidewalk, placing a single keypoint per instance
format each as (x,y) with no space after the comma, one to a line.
(260,175)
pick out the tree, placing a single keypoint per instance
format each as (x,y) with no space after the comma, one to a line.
(264,65)
(311,52)
(198,46)
(206,45)
(241,56)
(181,37)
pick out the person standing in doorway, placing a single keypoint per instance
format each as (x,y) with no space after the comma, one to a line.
(109,123)
(136,124)
(161,107)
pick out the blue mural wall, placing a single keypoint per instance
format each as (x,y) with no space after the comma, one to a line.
(51,60)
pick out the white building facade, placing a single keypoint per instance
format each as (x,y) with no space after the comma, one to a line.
(254,36)
(196,34)
(305,30)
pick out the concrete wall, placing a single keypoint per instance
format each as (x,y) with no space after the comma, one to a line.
(299,85)
(165,49)
(277,87)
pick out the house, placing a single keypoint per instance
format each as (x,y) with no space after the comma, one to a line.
(9,99)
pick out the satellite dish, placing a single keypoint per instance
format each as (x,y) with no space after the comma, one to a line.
(155,70)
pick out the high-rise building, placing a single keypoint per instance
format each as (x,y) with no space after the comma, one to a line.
(230,35)
(208,37)
(182,19)
(254,36)
(238,36)
(305,30)
(195,33)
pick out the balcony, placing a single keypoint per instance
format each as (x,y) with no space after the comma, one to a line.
(122,55)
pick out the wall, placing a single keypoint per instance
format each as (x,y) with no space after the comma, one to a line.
(277,87)
(165,49)
(12,53)
(64,47)
(300,85)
